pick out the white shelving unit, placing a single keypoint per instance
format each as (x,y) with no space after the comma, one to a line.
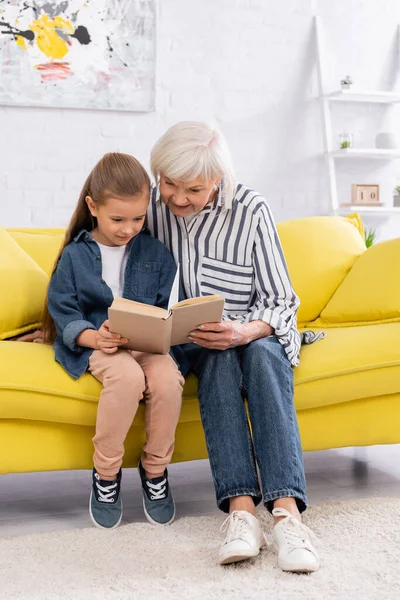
(332,154)
(354,95)
(379,211)
(374,153)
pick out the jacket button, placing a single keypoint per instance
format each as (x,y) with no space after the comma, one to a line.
(102,281)
(98,257)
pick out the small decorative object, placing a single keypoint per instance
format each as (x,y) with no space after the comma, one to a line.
(369,237)
(345,140)
(396,197)
(365,194)
(386,141)
(346,83)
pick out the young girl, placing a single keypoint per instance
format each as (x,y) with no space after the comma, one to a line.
(108,252)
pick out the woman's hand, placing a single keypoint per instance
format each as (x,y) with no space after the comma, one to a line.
(229,334)
(108,342)
(35,336)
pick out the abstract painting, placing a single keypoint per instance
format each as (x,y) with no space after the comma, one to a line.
(97,54)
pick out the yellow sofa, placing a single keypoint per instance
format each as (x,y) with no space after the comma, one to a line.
(347,387)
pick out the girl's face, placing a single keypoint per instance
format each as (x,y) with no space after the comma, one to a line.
(119,220)
(186,197)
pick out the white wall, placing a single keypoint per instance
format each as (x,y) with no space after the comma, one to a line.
(247,65)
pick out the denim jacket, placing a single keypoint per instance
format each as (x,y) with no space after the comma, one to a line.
(79,298)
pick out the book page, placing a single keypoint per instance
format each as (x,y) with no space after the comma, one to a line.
(197,300)
(174,295)
(138,308)
(187,317)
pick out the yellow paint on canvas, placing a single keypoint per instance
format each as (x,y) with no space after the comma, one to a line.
(21,42)
(47,38)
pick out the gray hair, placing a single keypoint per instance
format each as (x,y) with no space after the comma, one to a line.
(192,149)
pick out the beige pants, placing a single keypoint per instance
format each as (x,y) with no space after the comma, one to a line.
(127,377)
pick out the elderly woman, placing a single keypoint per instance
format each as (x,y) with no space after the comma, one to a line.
(224,238)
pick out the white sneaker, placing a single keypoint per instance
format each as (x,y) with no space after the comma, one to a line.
(295,551)
(244,537)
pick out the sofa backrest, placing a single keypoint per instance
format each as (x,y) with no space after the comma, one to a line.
(320,251)
(42,245)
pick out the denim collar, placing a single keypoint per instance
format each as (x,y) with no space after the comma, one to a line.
(83,232)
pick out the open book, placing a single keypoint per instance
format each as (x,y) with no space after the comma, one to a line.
(152,329)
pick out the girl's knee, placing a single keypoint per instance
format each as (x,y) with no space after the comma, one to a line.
(164,376)
(128,379)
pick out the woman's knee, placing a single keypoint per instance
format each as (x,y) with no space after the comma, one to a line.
(266,351)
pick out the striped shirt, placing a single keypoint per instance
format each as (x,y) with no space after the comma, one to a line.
(236,253)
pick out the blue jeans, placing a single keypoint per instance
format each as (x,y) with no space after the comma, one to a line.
(261,373)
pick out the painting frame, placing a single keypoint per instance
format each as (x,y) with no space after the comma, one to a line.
(78,54)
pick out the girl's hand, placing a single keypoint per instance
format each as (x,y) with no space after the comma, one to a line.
(108,342)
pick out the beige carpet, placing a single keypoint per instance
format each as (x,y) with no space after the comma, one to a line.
(359,544)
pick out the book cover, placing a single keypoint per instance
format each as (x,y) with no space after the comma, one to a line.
(152,329)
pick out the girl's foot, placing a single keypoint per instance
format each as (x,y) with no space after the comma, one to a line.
(158,502)
(292,537)
(105,505)
(244,537)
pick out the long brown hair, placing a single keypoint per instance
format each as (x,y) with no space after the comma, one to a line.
(116,175)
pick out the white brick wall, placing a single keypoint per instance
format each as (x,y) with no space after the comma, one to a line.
(247,65)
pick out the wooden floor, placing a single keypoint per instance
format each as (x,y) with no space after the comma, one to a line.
(53,501)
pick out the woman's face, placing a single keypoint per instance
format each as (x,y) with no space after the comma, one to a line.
(186,197)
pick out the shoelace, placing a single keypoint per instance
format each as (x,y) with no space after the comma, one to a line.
(107,492)
(157,489)
(297,535)
(237,526)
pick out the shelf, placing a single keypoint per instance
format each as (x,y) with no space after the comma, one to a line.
(375,216)
(354,95)
(369,210)
(374,153)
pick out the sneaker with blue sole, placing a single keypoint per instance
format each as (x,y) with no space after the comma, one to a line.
(158,503)
(105,505)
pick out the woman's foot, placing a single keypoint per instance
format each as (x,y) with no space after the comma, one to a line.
(105,504)
(244,537)
(292,537)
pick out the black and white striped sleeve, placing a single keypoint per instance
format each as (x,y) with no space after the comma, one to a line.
(274,300)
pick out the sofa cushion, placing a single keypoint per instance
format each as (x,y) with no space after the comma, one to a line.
(350,364)
(371,291)
(23,287)
(320,251)
(42,247)
(33,386)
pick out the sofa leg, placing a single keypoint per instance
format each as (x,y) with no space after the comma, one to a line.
(360,463)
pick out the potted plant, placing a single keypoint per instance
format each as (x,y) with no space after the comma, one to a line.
(346,83)
(396,197)
(369,237)
(345,140)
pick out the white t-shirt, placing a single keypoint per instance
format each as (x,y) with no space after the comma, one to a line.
(113,260)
